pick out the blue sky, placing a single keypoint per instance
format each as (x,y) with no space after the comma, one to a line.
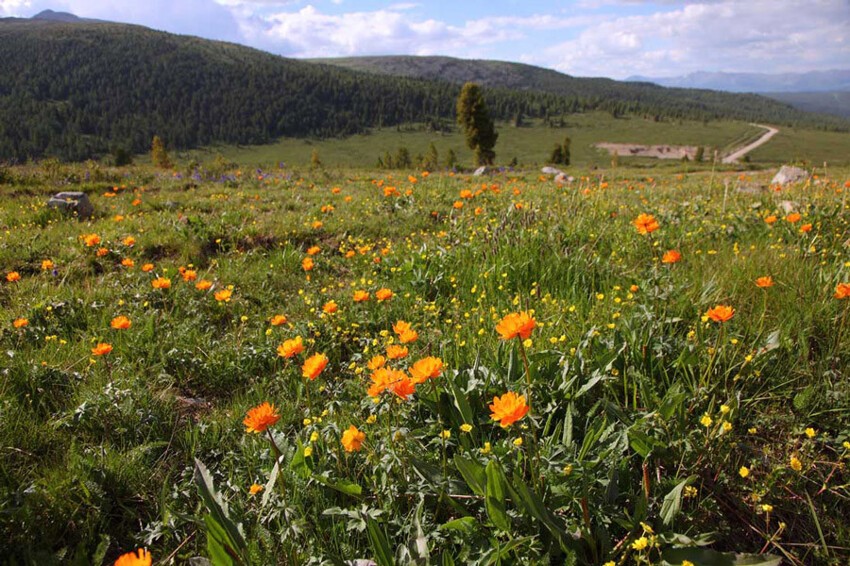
(614,38)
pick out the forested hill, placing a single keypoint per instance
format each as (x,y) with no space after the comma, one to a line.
(75,90)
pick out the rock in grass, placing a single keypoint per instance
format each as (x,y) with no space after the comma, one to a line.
(483,170)
(72,203)
(551,171)
(787,175)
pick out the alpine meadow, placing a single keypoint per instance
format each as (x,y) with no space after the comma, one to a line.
(398,309)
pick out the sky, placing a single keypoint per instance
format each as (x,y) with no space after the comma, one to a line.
(612,38)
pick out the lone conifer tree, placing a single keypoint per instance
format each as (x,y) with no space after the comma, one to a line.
(474,118)
(158,154)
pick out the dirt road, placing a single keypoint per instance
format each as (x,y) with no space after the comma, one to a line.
(741,152)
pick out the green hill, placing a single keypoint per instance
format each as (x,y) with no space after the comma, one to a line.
(77,90)
(835,102)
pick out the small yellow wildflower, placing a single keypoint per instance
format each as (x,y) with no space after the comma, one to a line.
(706,421)
(640,543)
(744,472)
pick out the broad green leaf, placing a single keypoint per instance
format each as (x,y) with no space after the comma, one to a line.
(707,557)
(343,486)
(672,503)
(230,536)
(464,525)
(494,499)
(267,492)
(534,506)
(299,463)
(473,473)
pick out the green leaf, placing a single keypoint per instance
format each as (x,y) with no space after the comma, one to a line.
(672,503)
(642,443)
(461,402)
(299,463)
(707,557)
(448,560)
(494,498)
(217,543)
(219,526)
(343,486)
(473,473)
(267,492)
(463,525)
(379,543)
(534,506)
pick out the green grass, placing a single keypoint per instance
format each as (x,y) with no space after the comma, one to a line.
(814,147)
(97,454)
(530,145)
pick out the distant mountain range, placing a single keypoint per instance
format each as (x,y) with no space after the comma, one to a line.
(813,81)
(74,88)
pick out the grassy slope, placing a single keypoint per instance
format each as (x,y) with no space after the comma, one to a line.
(530,145)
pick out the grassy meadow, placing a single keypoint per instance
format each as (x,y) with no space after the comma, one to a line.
(462,370)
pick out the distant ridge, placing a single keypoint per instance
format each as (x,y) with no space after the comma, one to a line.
(812,81)
(63,17)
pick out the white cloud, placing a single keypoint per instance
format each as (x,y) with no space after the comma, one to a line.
(754,35)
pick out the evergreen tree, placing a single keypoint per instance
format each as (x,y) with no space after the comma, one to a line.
(432,158)
(566,151)
(451,159)
(474,119)
(158,154)
(557,155)
(402,158)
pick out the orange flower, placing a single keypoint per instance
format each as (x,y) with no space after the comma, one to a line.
(404,387)
(720,313)
(352,439)
(129,241)
(764,282)
(408,336)
(382,379)
(13,276)
(671,256)
(20,322)
(203,285)
(384,294)
(255,489)
(400,327)
(426,368)
(313,250)
(793,217)
(314,365)
(805,228)
(127,262)
(842,291)
(290,348)
(161,283)
(770,219)
(645,224)
(260,418)
(396,352)
(90,240)
(46,265)
(330,307)
(102,252)
(148,267)
(101,349)
(516,324)
(278,320)
(508,408)
(307,264)
(223,295)
(376,362)
(140,557)
(120,323)
(360,296)
(189,275)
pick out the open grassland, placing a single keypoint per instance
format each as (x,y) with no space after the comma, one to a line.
(672,409)
(530,144)
(804,146)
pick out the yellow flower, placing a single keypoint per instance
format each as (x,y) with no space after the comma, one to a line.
(727,426)
(486,448)
(446,434)
(640,543)
(744,472)
(767,508)
(308,451)
(706,421)
(795,464)
(810,432)
(518,441)
(466,427)
(724,409)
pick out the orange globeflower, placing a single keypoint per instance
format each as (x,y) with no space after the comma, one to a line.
(426,368)
(313,250)
(90,240)
(120,323)
(352,439)
(290,348)
(161,283)
(382,379)
(842,291)
(47,265)
(278,320)
(508,408)
(671,256)
(20,322)
(384,294)
(13,276)
(376,362)
(770,219)
(189,275)
(129,241)
(404,387)
(793,217)
(260,418)
(148,267)
(140,557)
(307,264)
(127,262)
(223,295)
(330,307)
(400,327)
(805,228)
(396,352)
(764,282)
(314,365)
(101,349)
(516,324)
(361,296)
(101,252)
(203,285)
(645,224)
(408,336)
(720,313)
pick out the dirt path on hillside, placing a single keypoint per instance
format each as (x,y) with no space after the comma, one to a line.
(741,152)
